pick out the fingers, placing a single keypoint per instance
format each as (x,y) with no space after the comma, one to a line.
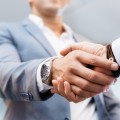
(101,70)
(71,95)
(72,69)
(81,72)
(74,93)
(96,61)
(64,89)
(55,85)
(66,50)
(58,87)
(87,85)
(82,93)
(68,91)
(93,48)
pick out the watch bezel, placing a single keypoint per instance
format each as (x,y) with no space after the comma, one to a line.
(46,72)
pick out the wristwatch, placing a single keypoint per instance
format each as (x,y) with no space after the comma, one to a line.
(110,55)
(46,74)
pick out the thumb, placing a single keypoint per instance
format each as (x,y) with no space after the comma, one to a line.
(66,50)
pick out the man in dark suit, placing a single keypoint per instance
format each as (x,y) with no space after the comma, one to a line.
(28,66)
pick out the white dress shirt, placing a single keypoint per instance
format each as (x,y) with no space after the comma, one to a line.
(82,110)
(116,50)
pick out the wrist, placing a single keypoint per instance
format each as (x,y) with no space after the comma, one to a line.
(46,71)
(57,71)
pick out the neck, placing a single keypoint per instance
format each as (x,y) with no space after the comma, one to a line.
(54,22)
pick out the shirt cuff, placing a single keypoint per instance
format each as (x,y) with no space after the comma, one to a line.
(116,50)
(42,87)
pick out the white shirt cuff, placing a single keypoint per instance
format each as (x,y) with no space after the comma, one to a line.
(116,50)
(42,86)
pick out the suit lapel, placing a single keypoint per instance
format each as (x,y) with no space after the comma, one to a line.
(101,110)
(75,38)
(34,31)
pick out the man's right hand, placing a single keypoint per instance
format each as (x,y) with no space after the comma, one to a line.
(87,83)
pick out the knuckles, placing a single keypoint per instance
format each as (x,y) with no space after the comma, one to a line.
(78,99)
(93,60)
(72,67)
(91,76)
(81,93)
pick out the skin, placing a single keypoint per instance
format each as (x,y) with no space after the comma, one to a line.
(48,10)
(68,90)
(85,82)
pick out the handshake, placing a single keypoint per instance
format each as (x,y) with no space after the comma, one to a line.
(82,72)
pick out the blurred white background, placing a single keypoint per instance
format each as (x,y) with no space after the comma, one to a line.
(98,20)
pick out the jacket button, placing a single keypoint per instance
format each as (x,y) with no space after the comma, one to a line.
(26,96)
(30,96)
(66,118)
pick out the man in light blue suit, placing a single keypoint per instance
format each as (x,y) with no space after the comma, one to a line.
(28,66)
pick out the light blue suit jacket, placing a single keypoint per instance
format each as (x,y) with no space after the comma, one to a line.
(22,48)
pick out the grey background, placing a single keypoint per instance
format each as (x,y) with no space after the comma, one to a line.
(98,20)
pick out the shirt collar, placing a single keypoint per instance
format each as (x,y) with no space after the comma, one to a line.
(39,22)
(36,20)
(68,30)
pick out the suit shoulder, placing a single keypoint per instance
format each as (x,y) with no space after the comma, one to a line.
(3,26)
(9,26)
(7,29)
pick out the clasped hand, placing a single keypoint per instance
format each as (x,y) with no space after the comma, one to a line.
(74,80)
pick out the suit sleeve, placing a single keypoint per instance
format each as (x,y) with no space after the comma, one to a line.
(17,79)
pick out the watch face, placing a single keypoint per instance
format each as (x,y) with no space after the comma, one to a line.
(45,73)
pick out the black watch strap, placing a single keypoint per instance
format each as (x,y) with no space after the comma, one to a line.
(110,54)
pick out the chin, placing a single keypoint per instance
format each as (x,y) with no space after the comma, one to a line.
(54,5)
(53,8)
